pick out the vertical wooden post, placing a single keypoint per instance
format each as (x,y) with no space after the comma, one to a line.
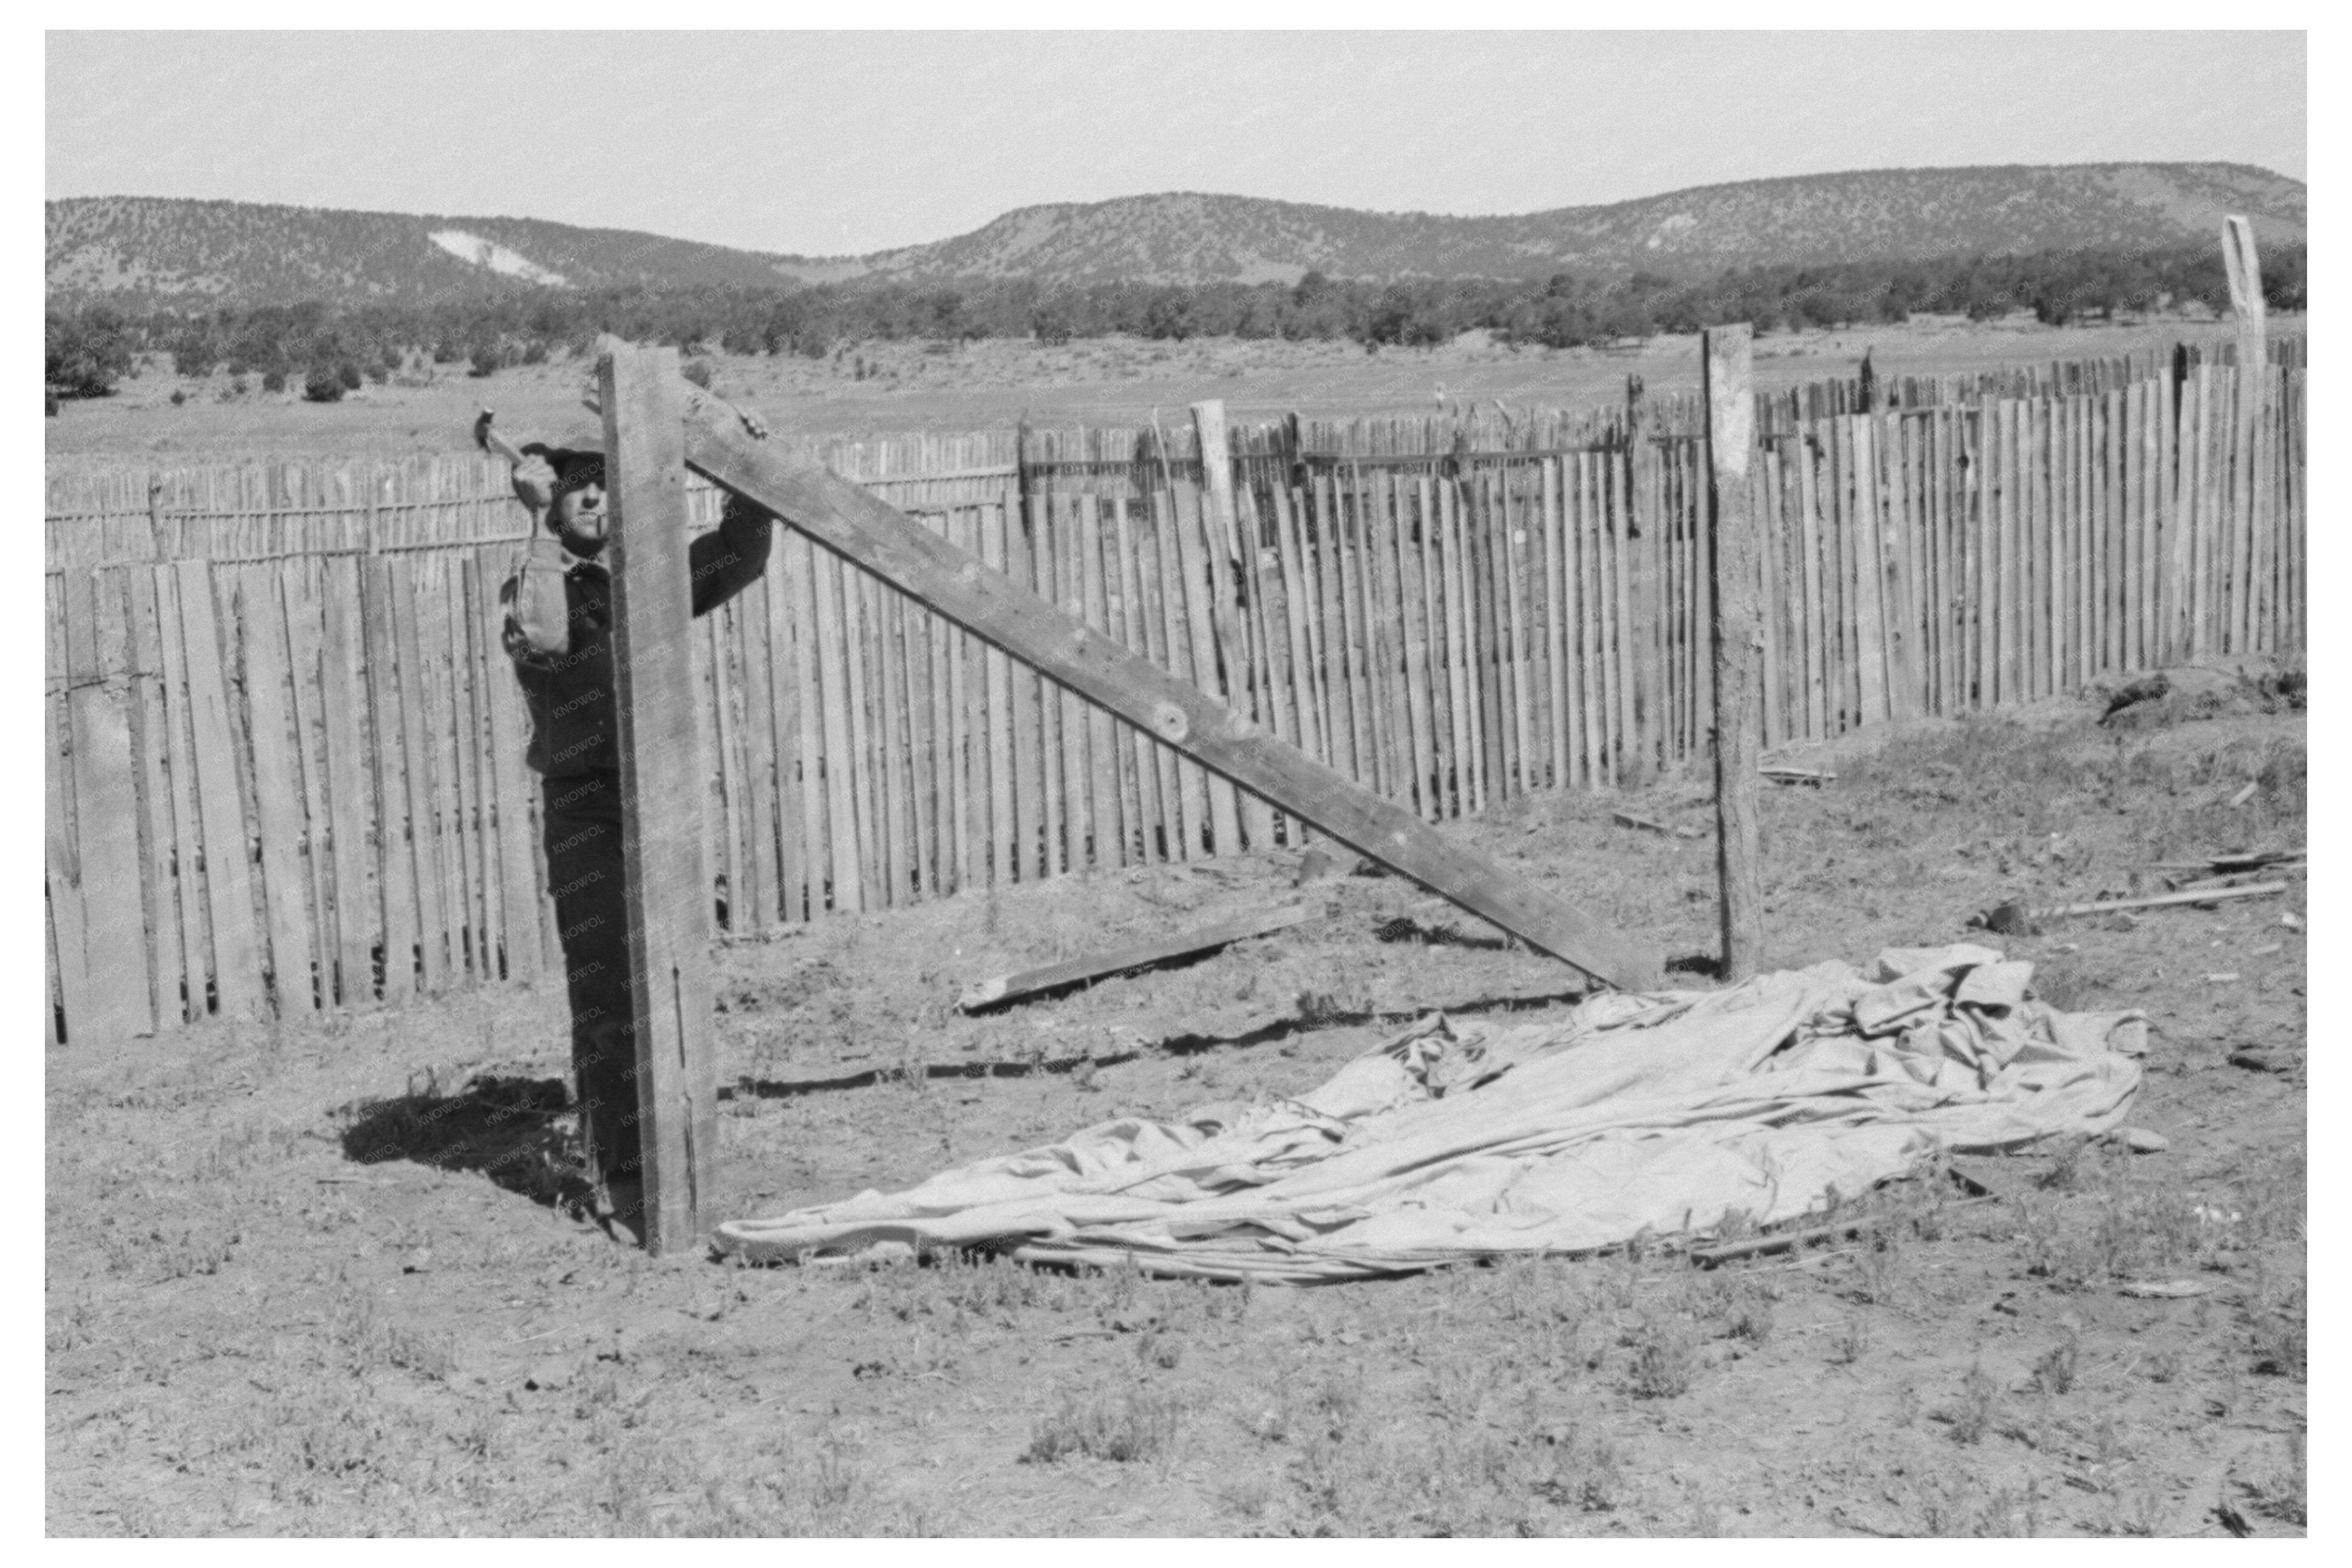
(1224,560)
(669,895)
(2245,269)
(1737,633)
(2245,266)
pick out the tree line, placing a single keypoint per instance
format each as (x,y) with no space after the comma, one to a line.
(331,349)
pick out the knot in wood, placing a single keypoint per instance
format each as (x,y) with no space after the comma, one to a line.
(1168,722)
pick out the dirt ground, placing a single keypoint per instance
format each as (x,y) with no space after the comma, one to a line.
(330,1277)
(916,386)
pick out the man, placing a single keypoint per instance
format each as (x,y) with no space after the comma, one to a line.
(558,620)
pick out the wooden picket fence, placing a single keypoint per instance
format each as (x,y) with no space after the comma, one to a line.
(285,756)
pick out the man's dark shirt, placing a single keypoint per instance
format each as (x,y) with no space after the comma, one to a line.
(565,662)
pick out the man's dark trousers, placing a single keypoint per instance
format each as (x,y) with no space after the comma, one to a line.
(586,871)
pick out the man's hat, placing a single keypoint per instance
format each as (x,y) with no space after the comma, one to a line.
(577,449)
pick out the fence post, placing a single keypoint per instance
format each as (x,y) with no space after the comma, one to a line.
(1732,558)
(2245,269)
(662,793)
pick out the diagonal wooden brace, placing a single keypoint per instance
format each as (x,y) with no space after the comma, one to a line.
(875,536)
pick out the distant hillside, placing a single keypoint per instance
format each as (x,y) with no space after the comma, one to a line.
(142,252)
(1878,215)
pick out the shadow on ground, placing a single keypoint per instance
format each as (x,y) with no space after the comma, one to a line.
(518,1132)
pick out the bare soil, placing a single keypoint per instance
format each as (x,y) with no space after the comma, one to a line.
(331,1277)
(988,385)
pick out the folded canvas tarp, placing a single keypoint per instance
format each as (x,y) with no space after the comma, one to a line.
(1666,1112)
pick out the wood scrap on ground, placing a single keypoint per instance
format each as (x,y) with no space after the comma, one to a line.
(1025,983)
(1757,1247)
(1237,1024)
(1647,824)
(2015,919)
(1789,773)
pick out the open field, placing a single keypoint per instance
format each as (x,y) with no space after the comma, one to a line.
(326,1278)
(989,384)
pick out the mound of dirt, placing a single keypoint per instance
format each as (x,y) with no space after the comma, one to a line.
(2168,696)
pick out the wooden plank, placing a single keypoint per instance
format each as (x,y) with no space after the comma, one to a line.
(1482,551)
(662,796)
(1765,503)
(2171,537)
(1376,553)
(1042,848)
(762,894)
(277,788)
(1293,576)
(1080,808)
(1615,632)
(1297,573)
(723,764)
(1906,663)
(968,762)
(60,865)
(2008,592)
(1432,528)
(180,766)
(1725,357)
(1315,571)
(1526,769)
(1027,730)
(928,729)
(445,725)
(1870,577)
(1556,623)
(781,596)
(151,749)
(885,663)
(905,674)
(424,843)
(396,854)
(2203,489)
(827,890)
(2134,552)
(1196,594)
(946,788)
(482,617)
(2111,526)
(1183,797)
(830,666)
(861,635)
(1351,751)
(1412,605)
(118,1003)
(1153,767)
(1221,524)
(1164,584)
(879,539)
(306,639)
(1589,584)
(1270,648)
(1110,835)
(1001,989)
(1817,703)
(1453,574)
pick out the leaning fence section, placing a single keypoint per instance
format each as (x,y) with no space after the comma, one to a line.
(285,755)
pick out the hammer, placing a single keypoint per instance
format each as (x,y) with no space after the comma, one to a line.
(490,440)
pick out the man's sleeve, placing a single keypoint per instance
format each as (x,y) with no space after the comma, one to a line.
(730,559)
(538,630)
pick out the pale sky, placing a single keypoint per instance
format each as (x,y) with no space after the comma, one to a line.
(841,143)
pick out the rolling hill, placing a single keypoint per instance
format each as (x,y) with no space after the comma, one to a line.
(148,252)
